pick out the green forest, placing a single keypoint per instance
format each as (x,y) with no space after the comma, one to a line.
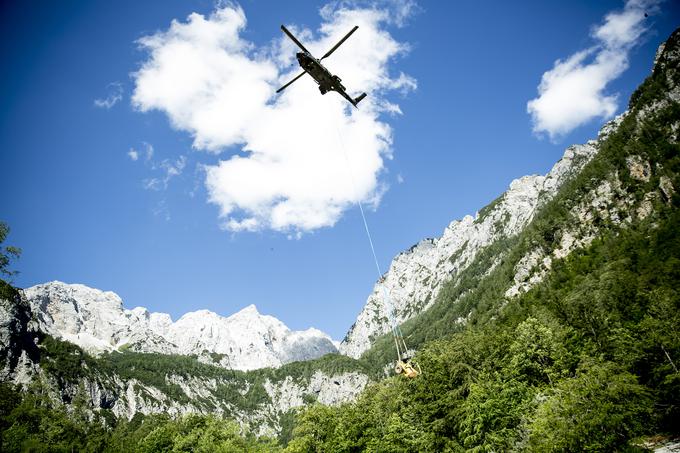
(586,360)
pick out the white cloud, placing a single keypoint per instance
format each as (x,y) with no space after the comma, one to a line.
(169,168)
(153,184)
(290,171)
(572,92)
(148,151)
(399,10)
(161,210)
(175,168)
(115,95)
(133,154)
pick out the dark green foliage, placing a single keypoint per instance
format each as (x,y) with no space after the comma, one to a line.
(577,364)
(63,360)
(600,409)
(287,422)
(30,422)
(8,292)
(192,433)
(538,355)
(7,253)
(494,407)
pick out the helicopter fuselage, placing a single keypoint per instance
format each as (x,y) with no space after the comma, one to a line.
(322,76)
(319,73)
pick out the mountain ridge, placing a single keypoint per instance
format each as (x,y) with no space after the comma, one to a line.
(97,321)
(415,276)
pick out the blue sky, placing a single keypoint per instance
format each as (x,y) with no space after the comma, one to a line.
(85,212)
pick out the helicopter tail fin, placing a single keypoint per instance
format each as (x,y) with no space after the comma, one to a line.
(359,98)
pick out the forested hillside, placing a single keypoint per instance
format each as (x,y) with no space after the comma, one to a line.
(570,340)
(563,337)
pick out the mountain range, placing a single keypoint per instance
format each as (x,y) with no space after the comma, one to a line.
(547,300)
(96,321)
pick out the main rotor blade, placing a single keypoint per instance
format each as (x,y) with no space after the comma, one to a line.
(328,54)
(289,83)
(290,35)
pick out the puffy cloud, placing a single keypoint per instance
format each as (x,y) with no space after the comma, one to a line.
(400,11)
(147,150)
(133,154)
(297,160)
(572,92)
(115,95)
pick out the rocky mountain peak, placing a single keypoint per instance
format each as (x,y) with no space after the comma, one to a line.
(416,275)
(250,310)
(97,321)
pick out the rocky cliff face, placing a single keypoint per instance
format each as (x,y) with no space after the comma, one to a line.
(143,363)
(96,321)
(205,394)
(626,195)
(18,351)
(415,276)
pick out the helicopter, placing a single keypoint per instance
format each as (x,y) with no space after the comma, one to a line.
(322,76)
